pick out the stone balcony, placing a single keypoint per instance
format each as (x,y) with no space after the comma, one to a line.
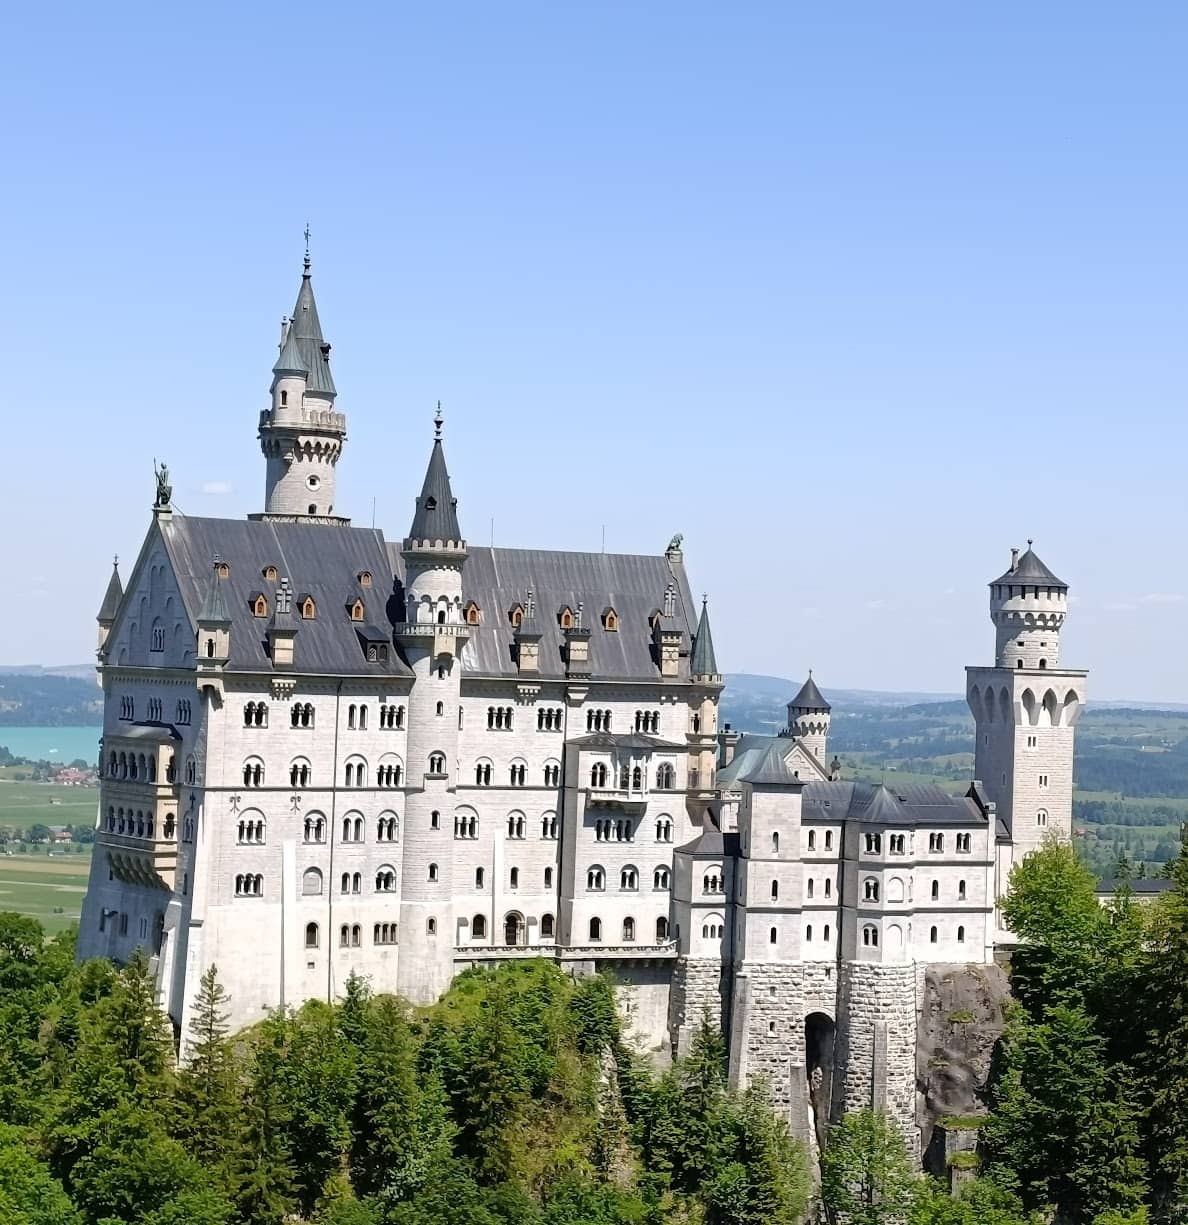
(626,799)
(140,860)
(448,637)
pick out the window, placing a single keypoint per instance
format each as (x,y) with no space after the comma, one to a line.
(549,719)
(311,883)
(515,825)
(259,605)
(513,878)
(610,620)
(432,874)
(961,935)
(598,774)
(661,929)
(661,878)
(775,843)
(595,929)
(546,927)
(300,772)
(665,777)
(385,879)
(158,638)
(961,891)
(356,772)
(565,617)
(384,933)
(1032,741)
(311,935)
(357,610)
(964,844)
(629,879)
(548,878)
(548,825)
(1041,817)
(936,843)
(828,887)
(309,610)
(933,935)
(812,840)
(936,890)
(598,720)
(825,933)
(437,766)
(473,613)
(315,827)
(870,889)
(251,829)
(182,714)
(897,844)
(870,936)
(874,844)
(253,772)
(773,936)
(499,718)
(829,840)
(435,819)
(808,934)
(301,714)
(595,879)
(517,773)
(711,882)
(1043,780)
(628,930)
(775,890)
(552,774)
(249,885)
(478,927)
(808,885)
(391,717)
(664,829)
(482,773)
(466,825)
(431,927)
(390,773)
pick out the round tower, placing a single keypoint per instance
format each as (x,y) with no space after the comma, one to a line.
(301,433)
(1028,605)
(808,719)
(431,637)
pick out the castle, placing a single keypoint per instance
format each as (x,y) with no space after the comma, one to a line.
(328,753)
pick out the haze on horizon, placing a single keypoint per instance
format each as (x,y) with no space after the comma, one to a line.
(855,301)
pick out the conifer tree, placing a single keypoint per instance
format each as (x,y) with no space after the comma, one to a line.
(866,1174)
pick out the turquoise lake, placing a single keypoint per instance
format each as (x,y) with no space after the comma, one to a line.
(57,744)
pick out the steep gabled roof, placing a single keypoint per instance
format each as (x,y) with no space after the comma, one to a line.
(703,661)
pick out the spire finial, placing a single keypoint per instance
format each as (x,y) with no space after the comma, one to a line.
(307,248)
(1030,542)
(437,420)
(115,561)
(704,599)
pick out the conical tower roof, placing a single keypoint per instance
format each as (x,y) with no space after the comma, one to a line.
(1030,569)
(436,516)
(703,662)
(305,332)
(113,595)
(809,699)
(214,603)
(290,360)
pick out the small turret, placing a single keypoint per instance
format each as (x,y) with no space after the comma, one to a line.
(809,715)
(703,664)
(214,632)
(1028,605)
(111,604)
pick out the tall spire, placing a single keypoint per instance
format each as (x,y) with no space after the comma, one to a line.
(113,595)
(703,662)
(305,329)
(436,516)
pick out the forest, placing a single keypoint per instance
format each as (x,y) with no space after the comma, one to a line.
(514,1100)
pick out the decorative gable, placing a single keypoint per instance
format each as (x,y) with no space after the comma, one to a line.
(610,619)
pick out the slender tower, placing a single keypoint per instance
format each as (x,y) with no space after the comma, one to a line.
(301,434)
(1025,708)
(431,636)
(809,715)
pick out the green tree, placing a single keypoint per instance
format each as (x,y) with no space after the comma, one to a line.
(29,1193)
(866,1174)
(265,1185)
(980,1203)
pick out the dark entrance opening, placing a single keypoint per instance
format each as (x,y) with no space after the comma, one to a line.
(819,1034)
(513,928)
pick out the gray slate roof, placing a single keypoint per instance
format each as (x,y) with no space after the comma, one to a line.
(622,740)
(317,559)
(112,596)
(436,516)
(703,661)
(496,579)
(810,698)
(913,805)
(306,331)
(214,603)
(1029,569)
(770,769)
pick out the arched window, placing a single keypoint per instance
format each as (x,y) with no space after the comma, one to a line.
(385,879)
(628,930)
(478,927)
(431,927)
(548,878)
(518,773)
(936,890)
(661,878)
(300,772)
(961,891)
(775,890)
(629,878)
(480,876)
(598,774)
(775,843)
(548,825)
(664,829)
(253,772)
(964,844)
(437,764)
(311,935)
(773,936)
(961,935)
(874,844)
(870,889)
(808,886)
(825,933)
(812,840)
(515,825)
(933,935)
(661,929)
(595,879)
(870,936)
(433,871)
(936,843)
(546,927)
(712,881)
(665,777)
(595,929)
(829,840)
(808,934)
(1041,817)
(311,882)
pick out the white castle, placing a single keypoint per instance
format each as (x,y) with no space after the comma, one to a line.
(325,753)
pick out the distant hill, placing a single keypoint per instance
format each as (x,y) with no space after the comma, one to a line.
(82,672)
(47,699)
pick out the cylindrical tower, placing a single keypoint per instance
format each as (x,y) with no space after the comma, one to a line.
(808,719)
(431,636)
(1028,605)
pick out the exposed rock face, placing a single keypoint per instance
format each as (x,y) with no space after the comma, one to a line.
(961,1020)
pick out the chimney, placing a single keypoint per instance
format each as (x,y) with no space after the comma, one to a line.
(1014,560)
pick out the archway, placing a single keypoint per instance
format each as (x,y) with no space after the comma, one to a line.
(820,1032)
(513,928)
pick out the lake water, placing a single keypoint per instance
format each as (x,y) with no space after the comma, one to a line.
(57,744)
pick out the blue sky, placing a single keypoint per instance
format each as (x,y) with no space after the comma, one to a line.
(855,297)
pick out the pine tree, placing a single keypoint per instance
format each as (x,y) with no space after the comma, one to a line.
(866,1174)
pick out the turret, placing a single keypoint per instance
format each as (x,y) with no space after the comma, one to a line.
(111,604)
(214,633)
(703,722)
(301,432)
(1028,605)
(809,715)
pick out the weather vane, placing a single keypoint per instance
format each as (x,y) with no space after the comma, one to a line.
(437,421)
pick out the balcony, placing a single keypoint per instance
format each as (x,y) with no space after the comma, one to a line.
(626,799)
(140,860)
(448,636)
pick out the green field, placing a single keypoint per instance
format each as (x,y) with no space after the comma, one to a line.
(41,885)
(25,804)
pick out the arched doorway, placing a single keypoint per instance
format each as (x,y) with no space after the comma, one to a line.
(819,1035)
(513,928)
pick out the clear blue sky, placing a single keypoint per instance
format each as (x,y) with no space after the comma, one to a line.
(856,297)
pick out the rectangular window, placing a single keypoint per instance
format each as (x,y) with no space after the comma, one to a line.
(1043,780)
(1032,741)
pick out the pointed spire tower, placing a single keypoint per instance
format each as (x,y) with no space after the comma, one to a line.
(301,434)
(809,716)
(111,604)
(703,737)
(431,638)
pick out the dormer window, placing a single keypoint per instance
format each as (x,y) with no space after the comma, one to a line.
(565,617)
(654,618)
(269,574)
(610,620)
(259,605)
(364,577)
(309,610)
(516,615)
(223,570)
(430,503)
(357,610)
(473,613)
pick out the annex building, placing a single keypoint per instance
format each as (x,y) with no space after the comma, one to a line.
(328,752)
